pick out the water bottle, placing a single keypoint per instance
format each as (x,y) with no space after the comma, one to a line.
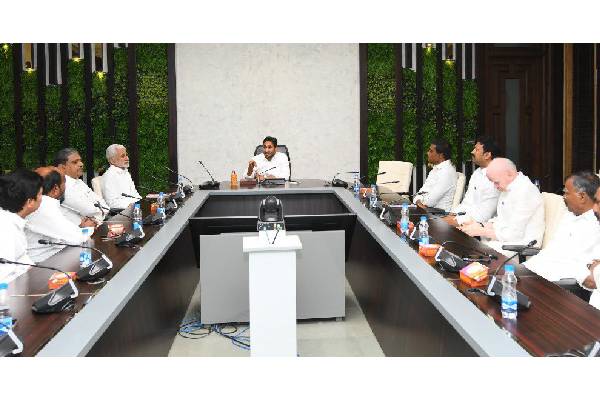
(137,213)
(404,220)
(161,206)
(5,319)
(423,231)
(180,191)
(509,293)
(356,186)
(85,254)
(137,230)
(373,196)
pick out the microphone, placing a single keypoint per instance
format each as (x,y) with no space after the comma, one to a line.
(494,288)
(130,196)
(208,185)
(111,210)
(58,299)
(187,189)
(381,173)
(385,183)
(338,182)
(95,270)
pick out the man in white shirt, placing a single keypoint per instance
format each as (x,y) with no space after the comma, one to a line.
(20,195)
(79,199)
(117,180)
(592,280)
(577,235)
(481,199)
(440,185)
(520,209)
(48,222)
(269,164)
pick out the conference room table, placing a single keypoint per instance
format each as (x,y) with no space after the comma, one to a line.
(413,307)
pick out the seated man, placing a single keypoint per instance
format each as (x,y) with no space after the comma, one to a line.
(269,164)
(577,235)
(20,195)
(48,222)
(117,180)
(78,195)
(520,209)
(481,198)
(440,185)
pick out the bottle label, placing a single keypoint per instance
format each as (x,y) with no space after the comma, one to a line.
(509,304)
(424,240)
(85,258)
(5,324)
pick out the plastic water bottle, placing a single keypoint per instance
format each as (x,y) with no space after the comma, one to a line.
(137,230)
(161,206)
(373,196)
(137,213)
(423,231)
(5,319)
(180,185)
(356,186)
(509,293)
(404,220)
(85,254)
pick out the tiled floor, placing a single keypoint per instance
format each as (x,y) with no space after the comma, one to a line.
(316,338)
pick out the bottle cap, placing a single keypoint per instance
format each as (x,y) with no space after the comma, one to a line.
(423,218)
(137,205)
(509,268)
(3,285)
(161,194)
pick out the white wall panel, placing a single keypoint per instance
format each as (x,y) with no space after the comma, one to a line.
(230,96)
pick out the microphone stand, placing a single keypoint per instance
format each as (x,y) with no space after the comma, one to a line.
(95,270)
(187,189)
(58,299)
(6,347)
(208,185)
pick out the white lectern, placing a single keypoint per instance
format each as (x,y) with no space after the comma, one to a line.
(272,292)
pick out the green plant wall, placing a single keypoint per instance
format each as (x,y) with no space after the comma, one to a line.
(7,123)
(381,107)
(152,94)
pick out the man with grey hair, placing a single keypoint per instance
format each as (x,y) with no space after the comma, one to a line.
(578,233)
(520,210)
(79,200)
(117,180)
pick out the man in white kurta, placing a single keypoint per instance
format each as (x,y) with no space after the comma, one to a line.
(577,235)
(117,179)
(79,200)
(481,199)
(49,223)
(20,195)
(270,163)
(440,185)
(520,210)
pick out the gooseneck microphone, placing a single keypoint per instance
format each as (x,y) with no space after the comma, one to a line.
(208,185)
(494,288)
(98,205)
(131,196)
(96,270)
(187,188)
(58,299)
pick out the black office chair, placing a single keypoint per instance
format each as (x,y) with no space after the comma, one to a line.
(282,148)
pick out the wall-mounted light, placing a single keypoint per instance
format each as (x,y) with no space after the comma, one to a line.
(448,52)
(100,74)
(5,47)
(29,55)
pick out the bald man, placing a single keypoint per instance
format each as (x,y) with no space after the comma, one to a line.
(520,210)
(48,222)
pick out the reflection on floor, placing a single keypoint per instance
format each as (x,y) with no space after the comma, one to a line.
(316,338)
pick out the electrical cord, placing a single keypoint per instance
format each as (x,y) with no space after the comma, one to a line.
(194,329)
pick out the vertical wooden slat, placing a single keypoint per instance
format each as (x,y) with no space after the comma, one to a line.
(64,92)
(398,54)
(364,123)
(439,89)
(52,64)
(88,59)
(42,130)
(18,103)
(596,105)
(460,116)
(172,96)
(568,110)
(110,91)
(419,112)
(134,159)
(480,81)
(468,61)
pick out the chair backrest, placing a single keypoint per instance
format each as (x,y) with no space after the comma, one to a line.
(282,148)
(554,209)
(460,189)
(400,171)
(97,185)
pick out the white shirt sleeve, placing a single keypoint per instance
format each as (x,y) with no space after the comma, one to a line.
(53,224)
(283,167)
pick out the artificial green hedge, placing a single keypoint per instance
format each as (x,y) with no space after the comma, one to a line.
(381,107)
(152,93)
